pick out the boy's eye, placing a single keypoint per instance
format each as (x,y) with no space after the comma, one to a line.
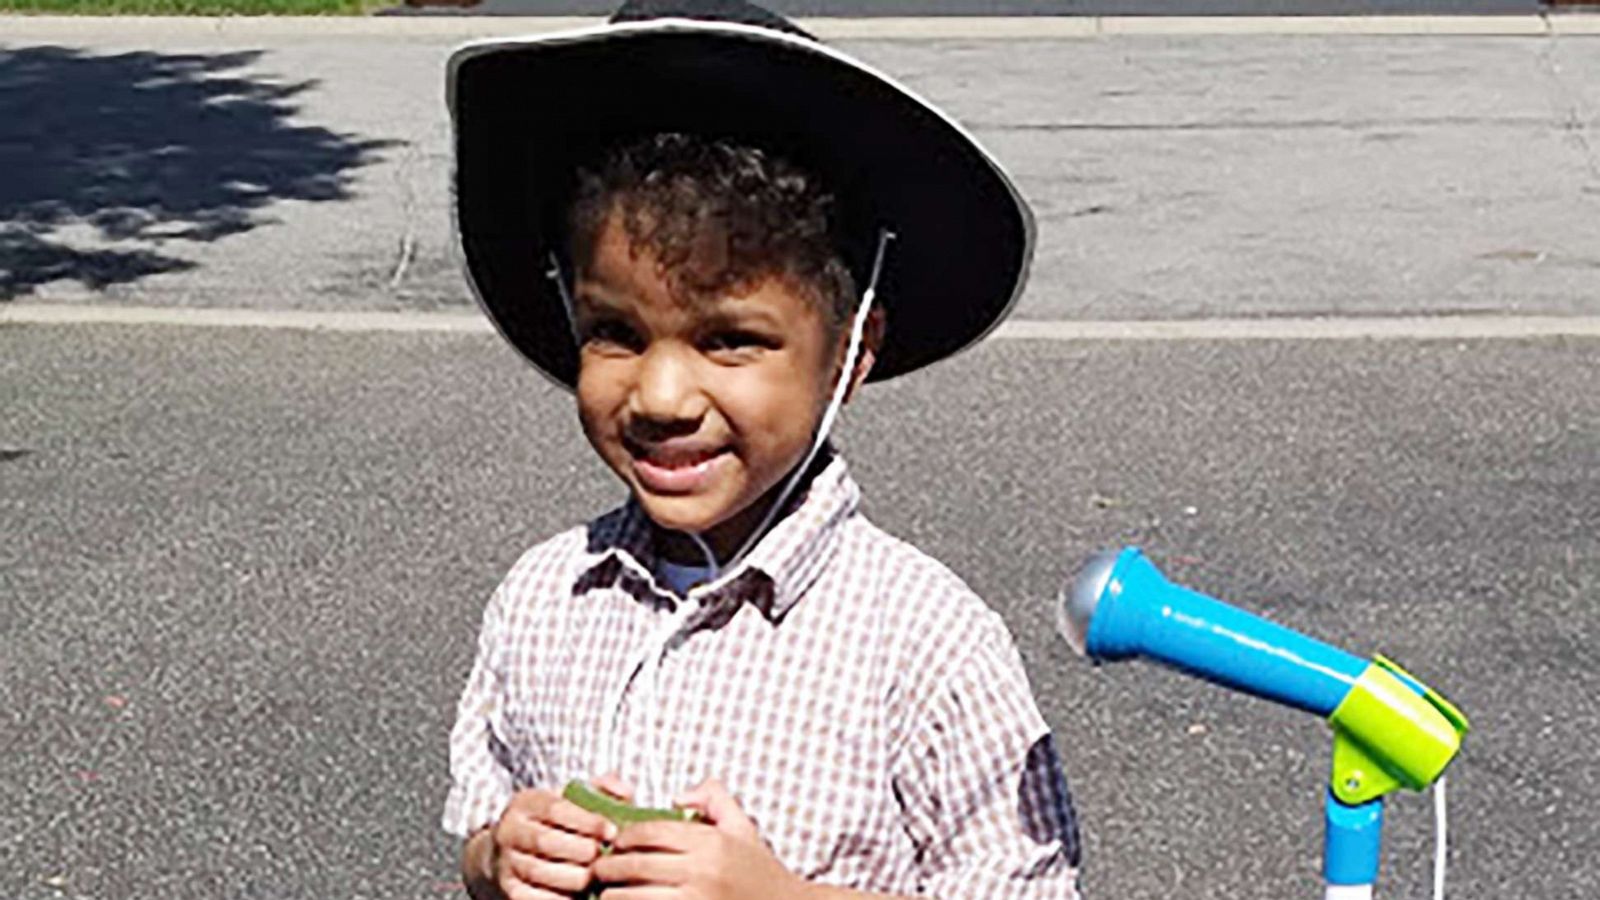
(736,340)
(611,333)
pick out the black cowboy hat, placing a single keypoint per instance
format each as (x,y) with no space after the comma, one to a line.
(529,111)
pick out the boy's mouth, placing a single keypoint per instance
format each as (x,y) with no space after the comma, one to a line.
(674,469)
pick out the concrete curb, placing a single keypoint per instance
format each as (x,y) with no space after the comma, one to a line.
(1426,328)
(15,28)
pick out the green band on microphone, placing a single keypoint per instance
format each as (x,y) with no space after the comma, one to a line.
(1391,731)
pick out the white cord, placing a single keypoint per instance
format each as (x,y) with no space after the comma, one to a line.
(657,649)
(1440,839)
(650,655)
(705,550)
(840,388)
(554,274)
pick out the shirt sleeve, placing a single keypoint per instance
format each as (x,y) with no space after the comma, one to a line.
(481,780)
(982,788)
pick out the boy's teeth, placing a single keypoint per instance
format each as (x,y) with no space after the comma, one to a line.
(679,462)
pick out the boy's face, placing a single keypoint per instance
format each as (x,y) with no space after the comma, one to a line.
(701,406)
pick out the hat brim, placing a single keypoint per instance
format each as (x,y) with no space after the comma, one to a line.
(528,111)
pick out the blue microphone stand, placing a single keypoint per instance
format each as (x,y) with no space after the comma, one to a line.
(1390,730)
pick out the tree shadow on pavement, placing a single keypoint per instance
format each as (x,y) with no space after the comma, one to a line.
(104,159)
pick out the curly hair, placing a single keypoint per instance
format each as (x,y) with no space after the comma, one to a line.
(717,216)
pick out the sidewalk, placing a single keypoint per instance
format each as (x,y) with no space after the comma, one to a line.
(1179,167)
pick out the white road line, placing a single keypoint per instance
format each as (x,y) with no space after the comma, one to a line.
(1425,328)
(315,320)
(18,28)
(1067,27)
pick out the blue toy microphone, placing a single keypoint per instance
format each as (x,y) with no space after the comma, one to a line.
(1390,730)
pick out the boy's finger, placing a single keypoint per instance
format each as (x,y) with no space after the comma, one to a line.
(563,846)
(670,837)
(521,820)
(519,891)
(569,816)
(641,892)
(532,801)
(516,829)
(612,783)
(641,868)
(716,804)
(708,792)
(563,879)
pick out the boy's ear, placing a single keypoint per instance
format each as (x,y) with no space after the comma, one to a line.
(871,342)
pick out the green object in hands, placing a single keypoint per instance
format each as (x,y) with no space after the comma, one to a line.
(620,814)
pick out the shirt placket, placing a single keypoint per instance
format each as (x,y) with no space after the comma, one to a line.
(651,703)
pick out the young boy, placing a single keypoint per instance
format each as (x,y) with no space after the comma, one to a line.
(686,216)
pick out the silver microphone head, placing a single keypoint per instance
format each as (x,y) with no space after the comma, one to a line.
(1080,597)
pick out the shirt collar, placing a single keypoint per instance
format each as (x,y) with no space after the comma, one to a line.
(772,576)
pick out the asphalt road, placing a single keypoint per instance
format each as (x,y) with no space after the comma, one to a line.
(243,569)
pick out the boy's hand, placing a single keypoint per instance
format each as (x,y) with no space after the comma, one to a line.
(723,858)
(544,843)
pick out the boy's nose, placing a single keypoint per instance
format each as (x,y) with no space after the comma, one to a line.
(667,389)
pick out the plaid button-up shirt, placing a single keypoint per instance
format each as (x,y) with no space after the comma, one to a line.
(867,710)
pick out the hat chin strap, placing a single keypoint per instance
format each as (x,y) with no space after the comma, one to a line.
(840,388)
(554,274)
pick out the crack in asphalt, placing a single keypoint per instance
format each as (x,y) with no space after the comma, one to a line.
(1573,123)
(408,209)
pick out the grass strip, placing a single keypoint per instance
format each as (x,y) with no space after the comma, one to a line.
(195,7)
